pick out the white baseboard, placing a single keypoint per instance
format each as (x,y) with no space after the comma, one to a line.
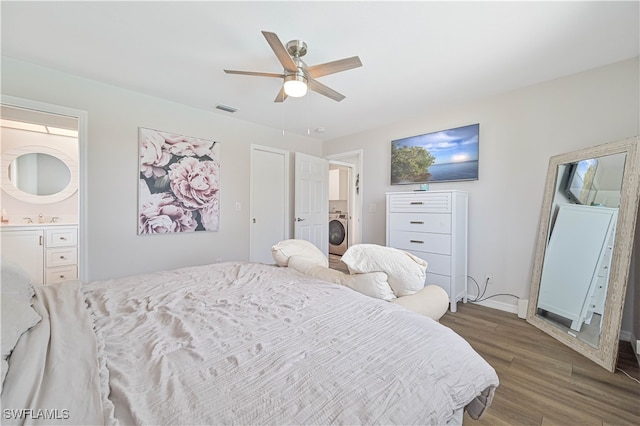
(507,307)
(626,336)
(635,344)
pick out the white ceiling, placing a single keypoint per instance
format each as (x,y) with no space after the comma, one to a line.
(417,56)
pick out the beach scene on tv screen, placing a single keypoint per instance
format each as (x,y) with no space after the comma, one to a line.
(447,155)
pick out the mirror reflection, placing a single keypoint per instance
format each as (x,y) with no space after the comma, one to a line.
(579,246)
(39,174)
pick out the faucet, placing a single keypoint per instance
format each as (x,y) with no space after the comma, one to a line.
(28,219)
(54,219)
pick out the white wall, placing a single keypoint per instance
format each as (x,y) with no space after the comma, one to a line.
(114,115)
(519,131)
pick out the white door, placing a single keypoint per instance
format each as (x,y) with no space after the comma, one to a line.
(26,249)
(312,200)
(269,210)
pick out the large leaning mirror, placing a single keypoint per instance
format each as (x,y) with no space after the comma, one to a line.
(584,247)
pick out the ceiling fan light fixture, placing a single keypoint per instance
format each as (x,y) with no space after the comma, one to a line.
(295,85)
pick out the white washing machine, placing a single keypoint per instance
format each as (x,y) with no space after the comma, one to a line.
(338,233)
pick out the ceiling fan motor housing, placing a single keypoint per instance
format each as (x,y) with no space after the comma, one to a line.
(297,48)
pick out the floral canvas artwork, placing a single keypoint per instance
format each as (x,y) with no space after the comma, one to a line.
(179,183)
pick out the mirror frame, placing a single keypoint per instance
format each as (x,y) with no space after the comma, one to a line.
(606,354)
(15,192)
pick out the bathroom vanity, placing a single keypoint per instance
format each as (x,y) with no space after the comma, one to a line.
(48,253)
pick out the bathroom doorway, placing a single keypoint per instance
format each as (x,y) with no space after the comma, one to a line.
(43,148)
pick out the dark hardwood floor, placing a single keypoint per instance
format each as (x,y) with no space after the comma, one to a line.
(542,382)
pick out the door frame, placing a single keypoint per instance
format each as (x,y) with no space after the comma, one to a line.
(356,201)
(287,214)
(82,116)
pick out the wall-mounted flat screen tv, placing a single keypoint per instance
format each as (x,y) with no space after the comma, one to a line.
(443,156)
(580,181)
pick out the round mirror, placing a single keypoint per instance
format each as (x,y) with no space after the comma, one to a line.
(39,174)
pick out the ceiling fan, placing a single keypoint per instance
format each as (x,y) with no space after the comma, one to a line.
(297,75)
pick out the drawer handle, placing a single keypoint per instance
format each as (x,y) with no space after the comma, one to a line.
(61,276)
(63,238)
(416,202)
(416,241)
(416,222)
(62,257)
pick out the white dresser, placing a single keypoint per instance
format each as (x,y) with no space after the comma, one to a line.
(48,253)
(582,236)
(433,226)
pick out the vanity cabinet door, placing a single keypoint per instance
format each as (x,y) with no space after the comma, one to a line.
(25,248)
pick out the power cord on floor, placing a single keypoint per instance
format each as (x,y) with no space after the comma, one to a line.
(627,374)
(480,297)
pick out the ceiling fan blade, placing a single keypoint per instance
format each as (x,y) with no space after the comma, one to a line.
(334,67)
(281,95)
(280,51)
(324,90)
(258,74)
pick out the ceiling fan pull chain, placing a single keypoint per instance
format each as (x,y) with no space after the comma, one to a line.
(282,117)
(308,113)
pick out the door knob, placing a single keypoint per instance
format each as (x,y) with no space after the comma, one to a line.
(299,219)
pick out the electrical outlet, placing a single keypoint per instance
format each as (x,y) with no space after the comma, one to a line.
(488,278)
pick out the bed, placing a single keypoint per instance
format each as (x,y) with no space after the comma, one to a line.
(236,343)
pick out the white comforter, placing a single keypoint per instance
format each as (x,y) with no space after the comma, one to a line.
(54,373)
(236,343)
(240,343)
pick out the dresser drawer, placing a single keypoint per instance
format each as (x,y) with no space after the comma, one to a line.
(61,237)
(439,223)
(421,242)
(437,263)
(439,280)
(61,273)
(420,202)
(61,256)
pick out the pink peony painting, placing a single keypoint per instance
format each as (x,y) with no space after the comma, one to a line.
(179,183)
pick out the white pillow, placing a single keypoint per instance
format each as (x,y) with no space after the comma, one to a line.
(372,284)
(432,301)
(17,317)
(5,368)
(282,251)
(406,272)
(303,265)
(16,281)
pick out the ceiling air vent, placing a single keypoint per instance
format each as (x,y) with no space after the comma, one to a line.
(226,108)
